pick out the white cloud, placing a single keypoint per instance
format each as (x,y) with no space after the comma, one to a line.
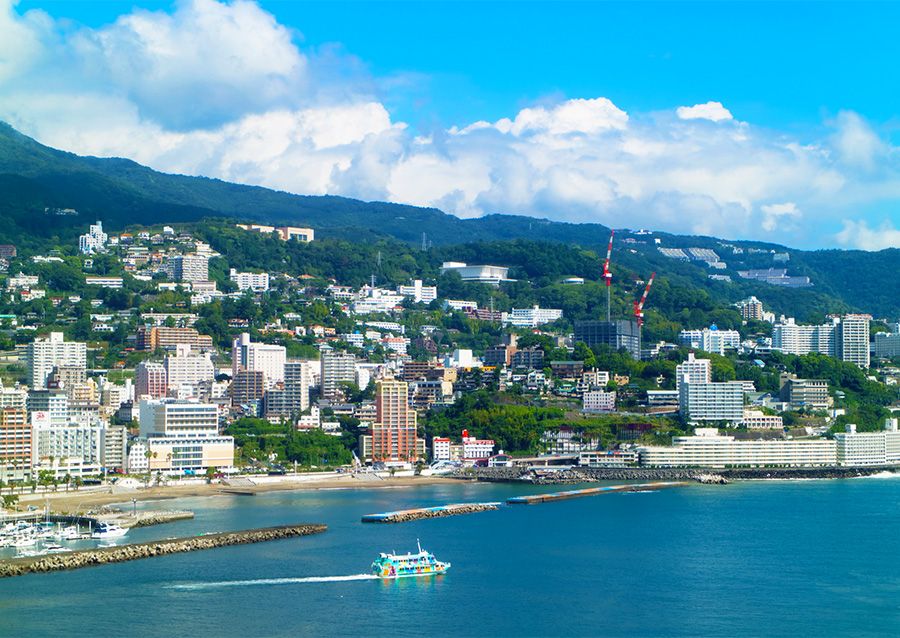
(775,214)
(712,111)
(858,234)
(223,90)
(856,143)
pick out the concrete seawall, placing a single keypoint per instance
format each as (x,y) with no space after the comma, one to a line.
(588,474)
(123,553)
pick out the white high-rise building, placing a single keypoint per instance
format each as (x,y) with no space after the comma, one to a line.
(711,401)
(846,338)
(178,418)
(189,268)
(696,370)
(44,354)
(264,357)
(336,368)
(855,339)
(183,436)
(94,241)
(184,369)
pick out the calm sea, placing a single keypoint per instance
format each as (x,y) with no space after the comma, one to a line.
(810,558)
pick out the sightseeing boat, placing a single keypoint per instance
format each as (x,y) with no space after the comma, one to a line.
(404,565)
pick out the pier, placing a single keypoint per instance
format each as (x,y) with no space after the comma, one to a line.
(124,553)
(590,491)
(454,509)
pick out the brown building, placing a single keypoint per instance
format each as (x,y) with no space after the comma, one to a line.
(394,429)
(248,386)
(15,440)
(163,337)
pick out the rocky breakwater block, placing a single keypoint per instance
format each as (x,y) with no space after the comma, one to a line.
(123,553)
(404,516)
(711,479)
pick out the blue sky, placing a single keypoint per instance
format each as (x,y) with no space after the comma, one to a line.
(804,156)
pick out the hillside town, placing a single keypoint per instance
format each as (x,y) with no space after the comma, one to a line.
(140,353)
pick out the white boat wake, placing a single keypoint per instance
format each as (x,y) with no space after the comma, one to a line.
(272,581)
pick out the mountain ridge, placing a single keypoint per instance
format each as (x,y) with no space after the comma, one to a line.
(36,179)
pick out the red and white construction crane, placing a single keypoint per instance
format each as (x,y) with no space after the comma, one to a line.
(607,275)
(639,305)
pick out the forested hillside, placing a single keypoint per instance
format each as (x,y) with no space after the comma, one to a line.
(47,197)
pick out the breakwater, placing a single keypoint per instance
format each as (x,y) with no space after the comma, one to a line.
(590,474)
(404,516)
(590,491)
(124,553)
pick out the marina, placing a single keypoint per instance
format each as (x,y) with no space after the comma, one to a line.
(47,562)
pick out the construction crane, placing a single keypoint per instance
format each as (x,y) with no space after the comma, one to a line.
(639,310)
(639,305)
(607,276)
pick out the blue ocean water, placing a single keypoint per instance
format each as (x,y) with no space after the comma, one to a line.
(747,559)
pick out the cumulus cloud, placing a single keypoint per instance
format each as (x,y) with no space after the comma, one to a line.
(712,111)
(775,214)
(856,143)
(858,234)
(222,89)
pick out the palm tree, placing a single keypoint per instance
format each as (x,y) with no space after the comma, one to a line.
(67,479)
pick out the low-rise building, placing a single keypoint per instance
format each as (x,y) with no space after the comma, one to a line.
(709,449)
(599,401)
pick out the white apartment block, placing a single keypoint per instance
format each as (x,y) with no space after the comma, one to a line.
(185,369)
(189,268)
(854,333)
(94,241)
(887,345)
(709,449)
(530,317)
(257,282)
(474,449)
(756,420)
(21,281)
(177,418)
(710,339)
(43,354)
(336,368)
(846,338)
(68,441)
(268,358)
(418,292)
(440,448)
(104,282)
(711,401)
(599,401)
(696,370)
(857,449)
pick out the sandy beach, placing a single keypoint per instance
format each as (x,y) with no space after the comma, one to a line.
(83,500)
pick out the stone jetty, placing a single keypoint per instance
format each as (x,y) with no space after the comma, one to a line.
(123,553)
(146,518)
(404,516)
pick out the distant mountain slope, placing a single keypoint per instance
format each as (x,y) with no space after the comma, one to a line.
(35,180)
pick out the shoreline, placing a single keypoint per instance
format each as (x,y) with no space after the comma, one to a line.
(72,502)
